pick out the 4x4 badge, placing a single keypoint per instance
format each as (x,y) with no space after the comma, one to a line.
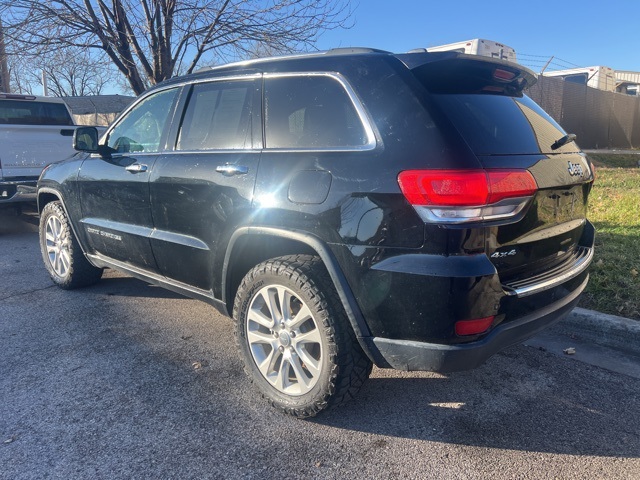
(504,254)
(575,169)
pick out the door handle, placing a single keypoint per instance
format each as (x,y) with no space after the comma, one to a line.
(229,170)
(136,168)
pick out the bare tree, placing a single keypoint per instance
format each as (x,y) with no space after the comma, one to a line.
(151,40)
(4,67)
(76,75)
(68,73)
(19,81)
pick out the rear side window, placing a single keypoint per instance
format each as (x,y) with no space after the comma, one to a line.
(218,116)
(310,111)
(19,112)
(502,125)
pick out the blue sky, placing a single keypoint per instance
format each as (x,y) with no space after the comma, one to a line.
(584,33)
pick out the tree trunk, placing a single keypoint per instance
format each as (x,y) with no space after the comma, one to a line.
(4,68)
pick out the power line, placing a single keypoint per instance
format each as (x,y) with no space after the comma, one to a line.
(551,60)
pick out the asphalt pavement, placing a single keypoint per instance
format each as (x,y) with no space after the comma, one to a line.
(126,380)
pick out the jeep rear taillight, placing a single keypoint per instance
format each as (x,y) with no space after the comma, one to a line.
(460,196)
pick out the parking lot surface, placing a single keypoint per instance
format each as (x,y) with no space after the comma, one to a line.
(126,380)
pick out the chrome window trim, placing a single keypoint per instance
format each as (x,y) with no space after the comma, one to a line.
(371,144)
(214,150)
(233,78)
(144,95)
(355,101)
(251,76)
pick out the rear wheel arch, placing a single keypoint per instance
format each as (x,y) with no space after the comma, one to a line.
(280,242)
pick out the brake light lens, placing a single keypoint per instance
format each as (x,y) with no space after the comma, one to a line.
(457,196)
(503,75)
(473,327)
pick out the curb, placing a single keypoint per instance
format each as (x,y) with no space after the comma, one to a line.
(609,331)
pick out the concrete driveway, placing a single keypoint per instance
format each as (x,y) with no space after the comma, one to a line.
(125,380)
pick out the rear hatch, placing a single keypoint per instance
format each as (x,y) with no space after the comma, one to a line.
(483,101)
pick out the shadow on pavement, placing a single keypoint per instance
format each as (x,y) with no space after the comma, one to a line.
(553,407)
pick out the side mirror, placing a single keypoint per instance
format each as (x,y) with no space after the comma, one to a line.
(85,139)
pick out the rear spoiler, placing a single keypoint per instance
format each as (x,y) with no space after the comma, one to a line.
(452,72)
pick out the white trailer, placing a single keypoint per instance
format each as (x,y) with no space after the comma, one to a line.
(628,82)
(602,78)
(479,46)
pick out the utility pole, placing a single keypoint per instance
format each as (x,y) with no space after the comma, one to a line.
(546,65)
(4,68)
(45,88)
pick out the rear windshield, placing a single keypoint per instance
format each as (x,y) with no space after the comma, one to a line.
(502,125)
(19,112)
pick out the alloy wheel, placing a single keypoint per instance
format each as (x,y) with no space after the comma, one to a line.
(284,340)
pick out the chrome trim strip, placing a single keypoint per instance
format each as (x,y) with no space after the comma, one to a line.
(580,266)
(143,95)
(251,76)
(518,203)
(103,260)
(239,151)
(178,239)
(119,227)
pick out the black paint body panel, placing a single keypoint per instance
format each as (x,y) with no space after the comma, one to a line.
(188,225)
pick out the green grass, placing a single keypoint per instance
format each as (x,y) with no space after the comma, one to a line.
(614,209)
(615,160)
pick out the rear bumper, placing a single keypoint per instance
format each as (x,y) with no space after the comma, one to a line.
(13,191)
(414,355)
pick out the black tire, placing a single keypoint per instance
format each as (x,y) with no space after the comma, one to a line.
(61,253)
(325,365)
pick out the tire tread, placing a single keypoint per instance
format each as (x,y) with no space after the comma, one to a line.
(350,366)
(81,272)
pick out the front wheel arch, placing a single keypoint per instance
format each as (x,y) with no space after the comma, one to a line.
(61,253)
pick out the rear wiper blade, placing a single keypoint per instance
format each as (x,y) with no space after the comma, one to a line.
(568,138)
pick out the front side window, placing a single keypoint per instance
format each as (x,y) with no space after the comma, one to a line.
(140,130)
(218,116)
(310,111)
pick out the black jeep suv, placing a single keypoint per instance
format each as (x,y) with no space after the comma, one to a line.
(355,207)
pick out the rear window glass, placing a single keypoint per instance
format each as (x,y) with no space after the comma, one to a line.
(311,111)
(18,112)
(502,125)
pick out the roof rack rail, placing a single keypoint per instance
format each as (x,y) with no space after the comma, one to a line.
(352,50)
(253,61)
